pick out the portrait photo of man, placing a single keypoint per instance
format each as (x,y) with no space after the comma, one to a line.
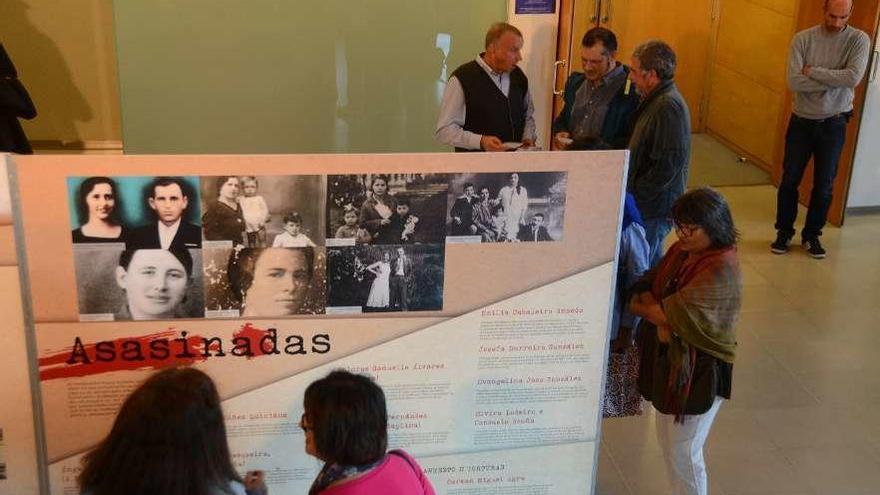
(168,199)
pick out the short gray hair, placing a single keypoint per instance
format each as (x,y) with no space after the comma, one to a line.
(657,56)
(497,30)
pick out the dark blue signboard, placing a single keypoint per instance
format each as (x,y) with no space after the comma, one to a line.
(535,6)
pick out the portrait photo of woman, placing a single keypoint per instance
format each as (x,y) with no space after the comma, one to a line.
(276,281)
(156,283)
(223,219)
(377,209)
(98,209)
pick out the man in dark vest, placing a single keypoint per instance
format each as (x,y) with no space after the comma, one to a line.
(487,105)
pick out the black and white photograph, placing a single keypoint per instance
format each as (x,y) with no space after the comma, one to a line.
(386,209)
(138,284)
(385,278)
(141,212)
(506,207)
(265,282)
(263,211)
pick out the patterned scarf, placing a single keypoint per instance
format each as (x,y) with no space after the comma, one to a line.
(331,473)
(701,300)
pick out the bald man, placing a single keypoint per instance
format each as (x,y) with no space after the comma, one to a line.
(825,64)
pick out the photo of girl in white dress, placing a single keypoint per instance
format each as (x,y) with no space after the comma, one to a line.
(380,291)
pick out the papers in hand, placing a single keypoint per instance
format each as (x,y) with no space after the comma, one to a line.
(510,145)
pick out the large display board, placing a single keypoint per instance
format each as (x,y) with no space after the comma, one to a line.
(485,320)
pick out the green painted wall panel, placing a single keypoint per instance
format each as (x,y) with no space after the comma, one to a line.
(290,76)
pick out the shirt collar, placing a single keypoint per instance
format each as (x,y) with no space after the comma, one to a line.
(486,66)
(173,226)
(612,74)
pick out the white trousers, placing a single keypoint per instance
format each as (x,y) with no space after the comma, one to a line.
(682,446)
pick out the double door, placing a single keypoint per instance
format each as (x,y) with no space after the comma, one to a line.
(687,26)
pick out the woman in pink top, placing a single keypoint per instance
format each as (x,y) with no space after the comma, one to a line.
(346,426)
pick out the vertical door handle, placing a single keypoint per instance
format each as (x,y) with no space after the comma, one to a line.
(608,6)
(596,11)
(873,75)
(556,65)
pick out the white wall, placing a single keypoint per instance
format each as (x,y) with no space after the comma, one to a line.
(864,186)
(539,54)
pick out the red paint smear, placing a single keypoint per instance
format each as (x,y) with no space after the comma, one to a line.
(54,366)
(255,335)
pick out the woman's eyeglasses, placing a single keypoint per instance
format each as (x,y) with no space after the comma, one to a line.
(686,229)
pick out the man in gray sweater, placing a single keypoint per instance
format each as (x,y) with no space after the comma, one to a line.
(660,142)
(825,64)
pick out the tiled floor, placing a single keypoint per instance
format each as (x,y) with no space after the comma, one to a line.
(804,416)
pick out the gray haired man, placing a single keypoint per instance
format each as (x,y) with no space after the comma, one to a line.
(660,143)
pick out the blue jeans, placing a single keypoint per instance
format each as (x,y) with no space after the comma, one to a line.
(823,141)
(656,230)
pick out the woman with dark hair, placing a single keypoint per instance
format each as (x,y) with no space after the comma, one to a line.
(271,281)
(169,437)
(97,209)
(155,282)
(377,209)
(223,219)
(346,426)
(690,304)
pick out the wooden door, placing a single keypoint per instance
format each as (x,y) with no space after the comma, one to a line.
(687,26)
(864,17)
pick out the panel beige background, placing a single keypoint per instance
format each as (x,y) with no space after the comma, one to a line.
(65,55)
(66,436)
(748,76)
(593,191)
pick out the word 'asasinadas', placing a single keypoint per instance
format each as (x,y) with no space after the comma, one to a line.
(196,347)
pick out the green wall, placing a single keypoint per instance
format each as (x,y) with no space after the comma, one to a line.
(290,76)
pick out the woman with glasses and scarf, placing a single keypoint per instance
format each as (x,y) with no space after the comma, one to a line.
(690,304)
(346,426)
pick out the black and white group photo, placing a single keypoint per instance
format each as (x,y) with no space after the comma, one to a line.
(386,209)
(508,207)
(386,278)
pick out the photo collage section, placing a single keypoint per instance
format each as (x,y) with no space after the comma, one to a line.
(156,248)
(385,242)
